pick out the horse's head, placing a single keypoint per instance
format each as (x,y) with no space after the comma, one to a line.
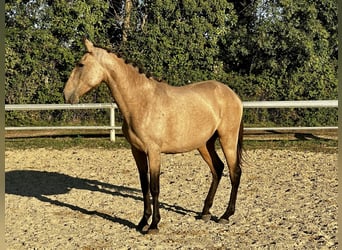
(87,74)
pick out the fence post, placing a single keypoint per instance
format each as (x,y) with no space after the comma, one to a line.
(112,122)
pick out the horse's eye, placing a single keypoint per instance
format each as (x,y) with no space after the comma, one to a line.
(80,65)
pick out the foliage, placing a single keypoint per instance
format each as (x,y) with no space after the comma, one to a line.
(187,34)
(43,42)
(264,50)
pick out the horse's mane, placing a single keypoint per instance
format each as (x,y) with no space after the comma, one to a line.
(140,69)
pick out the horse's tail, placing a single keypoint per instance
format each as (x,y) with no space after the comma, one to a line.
(240,145)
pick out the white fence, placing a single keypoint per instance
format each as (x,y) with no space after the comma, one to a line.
(113,106)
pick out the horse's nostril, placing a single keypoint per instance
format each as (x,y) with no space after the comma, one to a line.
(70,98)
(73,99)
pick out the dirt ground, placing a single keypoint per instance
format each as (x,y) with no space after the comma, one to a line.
(91,199)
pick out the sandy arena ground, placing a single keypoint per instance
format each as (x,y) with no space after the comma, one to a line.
(91,199)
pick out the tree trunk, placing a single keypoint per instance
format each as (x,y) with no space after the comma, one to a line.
(126,25)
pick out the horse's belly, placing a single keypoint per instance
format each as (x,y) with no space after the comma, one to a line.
(187,138)
(183,146)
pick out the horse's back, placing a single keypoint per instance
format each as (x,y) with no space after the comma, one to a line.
(217,93)
(210,88)
(208,96)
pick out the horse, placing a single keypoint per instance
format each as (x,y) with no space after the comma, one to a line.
(160,118)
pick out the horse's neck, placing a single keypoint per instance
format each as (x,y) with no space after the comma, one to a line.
(130,89)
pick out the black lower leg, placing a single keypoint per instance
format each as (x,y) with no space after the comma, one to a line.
(155,201)
(235,179)
(143,224)
(213,187)
(141,161)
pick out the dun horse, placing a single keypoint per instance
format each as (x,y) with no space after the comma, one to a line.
(159,118)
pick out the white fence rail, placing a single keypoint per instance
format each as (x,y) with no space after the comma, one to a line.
(26,107)
(113,106)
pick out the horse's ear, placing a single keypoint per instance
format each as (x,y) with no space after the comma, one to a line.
(89,45)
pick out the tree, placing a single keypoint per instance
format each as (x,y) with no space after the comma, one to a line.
(284,50)
(178,40)
(289,42)
(44,38)
(43,42)
(237,45)
(263,49)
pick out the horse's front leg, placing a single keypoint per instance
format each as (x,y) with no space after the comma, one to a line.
(141,161)
(154,163)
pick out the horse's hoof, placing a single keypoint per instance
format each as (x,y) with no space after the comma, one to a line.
(145,229)
(153,231)
(206,217)
(223,221)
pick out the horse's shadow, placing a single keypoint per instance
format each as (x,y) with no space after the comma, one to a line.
(41,184)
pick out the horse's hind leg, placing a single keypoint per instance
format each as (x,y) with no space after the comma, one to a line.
(216,166)
(141,161)
(230,149)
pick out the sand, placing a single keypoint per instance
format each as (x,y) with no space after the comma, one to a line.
(91,199)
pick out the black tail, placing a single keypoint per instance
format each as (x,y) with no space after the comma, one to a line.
(240,145)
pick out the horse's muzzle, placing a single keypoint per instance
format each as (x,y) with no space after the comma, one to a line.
(71,99)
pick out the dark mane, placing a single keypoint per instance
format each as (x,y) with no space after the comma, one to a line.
(135,65)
